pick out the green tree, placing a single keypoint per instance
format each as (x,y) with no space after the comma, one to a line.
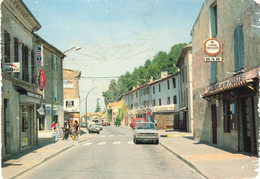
(98,108)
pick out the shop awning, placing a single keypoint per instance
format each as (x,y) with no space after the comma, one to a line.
(236,81)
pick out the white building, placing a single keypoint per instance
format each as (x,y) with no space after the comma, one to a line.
(160,97)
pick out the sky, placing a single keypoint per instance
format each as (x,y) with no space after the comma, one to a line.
(115,36)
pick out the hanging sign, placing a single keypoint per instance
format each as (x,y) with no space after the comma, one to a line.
(39,55)
(41,80)
(212,47)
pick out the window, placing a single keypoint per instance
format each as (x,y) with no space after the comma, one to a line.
(54,62)
(147,102)
(7,47)
(175,99)
(214,20)
(154,102)
(168,84)
(173,83)
(25,66)
(160,102)
(131,96)
(144,103)
(69,104)
(131,106)
(147,90)
(229,112)
(136,94)
(16,54)
(239,48)
(183,76)
(159,88)
(34,81)
(153,89)
(168,100)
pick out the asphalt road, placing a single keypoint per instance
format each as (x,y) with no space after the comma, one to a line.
(112,154)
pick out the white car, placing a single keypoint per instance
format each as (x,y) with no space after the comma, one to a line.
(100,126)
(145,132)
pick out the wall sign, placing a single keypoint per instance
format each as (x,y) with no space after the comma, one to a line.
(12,67)
(212,47)
(41,80)
(212,59)
(39,55)
(68,83)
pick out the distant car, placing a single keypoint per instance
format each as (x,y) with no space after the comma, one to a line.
(100,126)
(145,132)
(136,120)
(105,123)
(94,129)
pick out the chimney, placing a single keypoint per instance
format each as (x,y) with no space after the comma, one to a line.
(151,79)
(164,74)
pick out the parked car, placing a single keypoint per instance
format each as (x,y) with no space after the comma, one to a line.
(100,126)
(105,123)
(136,120)
(93,128)
(145,132)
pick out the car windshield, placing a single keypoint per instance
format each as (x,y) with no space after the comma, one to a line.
(141,120)
(145,126)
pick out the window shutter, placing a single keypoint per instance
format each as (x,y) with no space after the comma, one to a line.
(213,71)
(241,47)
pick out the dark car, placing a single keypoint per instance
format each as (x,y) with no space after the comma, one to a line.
(93,128)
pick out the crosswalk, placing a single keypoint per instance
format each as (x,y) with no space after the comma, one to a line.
(119,135)
(112,142)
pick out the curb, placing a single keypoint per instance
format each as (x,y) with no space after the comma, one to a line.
(51,156)
(184,160)
(176,135)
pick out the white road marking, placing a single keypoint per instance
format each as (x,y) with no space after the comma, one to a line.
(87,144)
(130,142)
(119,135)
(102,136)
(102,143)
(117,142)
(128,135)
(111,135)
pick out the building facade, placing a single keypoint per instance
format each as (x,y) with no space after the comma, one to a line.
(186,98)
(19,79)
(71,94)
(50,62)
(113,111)
(226,93)
(160,97)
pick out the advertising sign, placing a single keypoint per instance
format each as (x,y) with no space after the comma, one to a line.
(41,80)
(68,83)
(212,59)
(12,67)
(212,47)
(39,56)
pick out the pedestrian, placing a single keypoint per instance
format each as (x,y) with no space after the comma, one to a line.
(54,130)
(65,131)
(76,127)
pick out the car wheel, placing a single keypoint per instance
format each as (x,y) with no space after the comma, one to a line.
(157,142)
(98,132)
(135,141)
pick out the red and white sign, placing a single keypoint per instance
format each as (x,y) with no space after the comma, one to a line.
(42,80)
(12,67)
(212,47)
(148,113)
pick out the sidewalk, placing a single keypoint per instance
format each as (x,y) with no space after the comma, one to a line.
(208,160)
(18,164)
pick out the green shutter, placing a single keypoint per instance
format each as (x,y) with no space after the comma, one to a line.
(239,48)
(213,71)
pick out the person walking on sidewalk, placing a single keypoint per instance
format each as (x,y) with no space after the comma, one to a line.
(54,131)
(76,127)
(65,131)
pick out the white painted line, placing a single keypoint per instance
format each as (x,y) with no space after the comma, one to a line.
(111,135)
(117,142)
(102,143)
(102,136)
(87,144)
(119,135)
(130,142)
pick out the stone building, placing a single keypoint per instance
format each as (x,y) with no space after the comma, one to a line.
(186,99)
(226,93)
(50,62)
(19,78)
(71,95)
(113,111)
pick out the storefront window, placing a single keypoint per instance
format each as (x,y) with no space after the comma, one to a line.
(229,116)
(25,125)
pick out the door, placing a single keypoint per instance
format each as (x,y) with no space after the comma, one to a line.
(6,128)
(214,123)
(248,125)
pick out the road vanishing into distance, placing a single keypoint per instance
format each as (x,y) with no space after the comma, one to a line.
(112,154)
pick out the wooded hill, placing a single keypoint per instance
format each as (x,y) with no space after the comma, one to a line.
(141,75)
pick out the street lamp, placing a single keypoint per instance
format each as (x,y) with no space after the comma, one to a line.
(87,106)
(52,81)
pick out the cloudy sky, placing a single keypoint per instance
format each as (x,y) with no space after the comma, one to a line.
(115,35)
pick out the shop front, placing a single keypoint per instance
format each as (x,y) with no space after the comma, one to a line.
(234,116)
